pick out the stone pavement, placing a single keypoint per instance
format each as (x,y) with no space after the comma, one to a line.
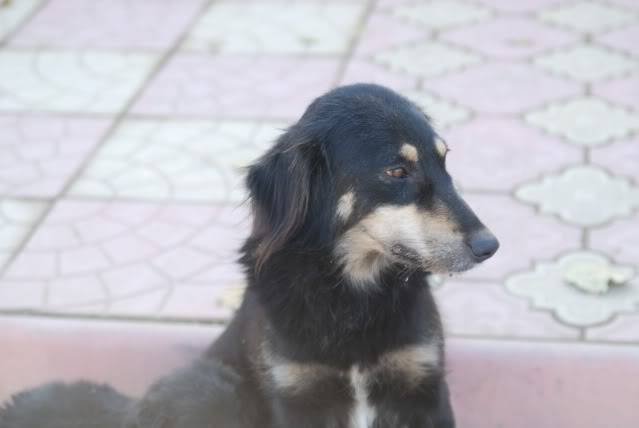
(124,127)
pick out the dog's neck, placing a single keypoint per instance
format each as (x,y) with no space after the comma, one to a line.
(316,313)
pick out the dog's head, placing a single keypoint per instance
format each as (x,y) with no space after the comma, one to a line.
(363,175)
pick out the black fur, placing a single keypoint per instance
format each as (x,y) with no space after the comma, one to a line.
(81,405)
(299,300)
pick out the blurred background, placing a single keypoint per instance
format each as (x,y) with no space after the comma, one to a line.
(124,125)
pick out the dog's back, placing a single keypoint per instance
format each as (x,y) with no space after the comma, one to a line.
(58,405)
(205,394)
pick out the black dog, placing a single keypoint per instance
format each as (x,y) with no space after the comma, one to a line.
(353,209)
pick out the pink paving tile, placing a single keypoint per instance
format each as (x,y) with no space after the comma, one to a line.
(624,328)
(624,91)
(386,31)
(524,236)
(629,4)
(38,155)
(509,37)
(512,151)
(128,356)
(119,24)
(235,86)
(360,70)
(486,309)
(97,257)
(620,158)
(618,240)
(502,87)
(521,6)
(28,293)
(546,384)
(196,302)
(623,39)
(388,4)
(534,385)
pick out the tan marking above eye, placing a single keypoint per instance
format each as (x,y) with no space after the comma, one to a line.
(409,152)
(441,147)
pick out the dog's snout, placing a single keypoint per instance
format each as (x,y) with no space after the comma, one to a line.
(483,244)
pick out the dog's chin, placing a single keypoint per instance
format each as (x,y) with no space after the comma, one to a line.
(450,267)
(444,265)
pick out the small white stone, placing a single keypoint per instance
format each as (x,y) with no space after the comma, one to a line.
(596,278)
(547,287)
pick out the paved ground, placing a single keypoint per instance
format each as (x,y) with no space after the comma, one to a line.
(123,127)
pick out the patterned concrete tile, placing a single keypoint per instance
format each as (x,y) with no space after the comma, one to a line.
(385,31)
(624,328)
(17,218)
(585,121)
(621,158)
(618,239)
(203,302)
(623,39)
(177,160)
(486,309)
(622,91)
(113,24)
(442,113)
(313,27)
(418,59)
(509,37)
(38,155)
(587,63)
(520,6)
(13,14)
(511,151)
(236,86)
(360,70)
(438,15)
(70,81)
(502,88)
(92,257)
(588,16)
(546,288)
(545,237)
(627,4)
(583,195)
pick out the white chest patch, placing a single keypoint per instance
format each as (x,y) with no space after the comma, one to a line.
(409,365)
(412,364)
(363,414)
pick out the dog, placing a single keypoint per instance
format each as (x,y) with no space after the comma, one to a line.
(353,209)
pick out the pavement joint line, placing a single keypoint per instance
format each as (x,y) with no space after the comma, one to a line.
(221,322)
(350,50)
(159,65)
(23,24)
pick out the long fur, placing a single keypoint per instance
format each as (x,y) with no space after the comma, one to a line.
(301,306)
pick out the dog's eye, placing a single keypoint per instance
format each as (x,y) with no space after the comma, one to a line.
(399,172)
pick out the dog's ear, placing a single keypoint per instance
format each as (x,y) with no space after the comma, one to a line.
(280,187)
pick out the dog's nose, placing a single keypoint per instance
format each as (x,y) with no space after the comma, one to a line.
(483,244)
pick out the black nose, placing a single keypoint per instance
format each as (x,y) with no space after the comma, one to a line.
(483,244)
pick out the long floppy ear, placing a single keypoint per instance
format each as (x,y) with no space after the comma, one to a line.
(279,184)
